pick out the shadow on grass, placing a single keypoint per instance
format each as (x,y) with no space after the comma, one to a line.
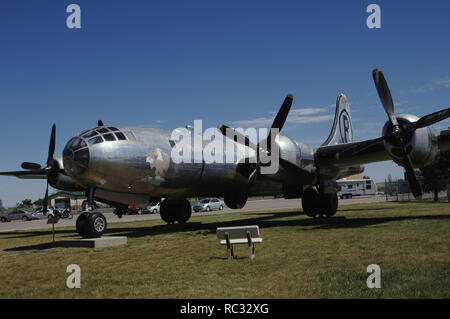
(24,234)
(33,247)
(268,220)
(263,220)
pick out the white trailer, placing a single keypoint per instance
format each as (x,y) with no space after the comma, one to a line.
(350,188)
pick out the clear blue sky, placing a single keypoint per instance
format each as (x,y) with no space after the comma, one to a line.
(166,63)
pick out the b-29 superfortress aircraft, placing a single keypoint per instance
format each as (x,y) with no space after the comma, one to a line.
(122,165)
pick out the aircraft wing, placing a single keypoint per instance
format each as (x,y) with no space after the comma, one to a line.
(365,152)
(351,154)
(28,174)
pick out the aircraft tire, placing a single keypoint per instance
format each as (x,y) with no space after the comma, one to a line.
(81,224)
(175,210)
(166,211)
(310,202)
(329,204)
(185,210)
(91,225)
(96,225)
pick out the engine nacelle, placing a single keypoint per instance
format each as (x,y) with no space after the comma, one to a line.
(63,182)
(421,145)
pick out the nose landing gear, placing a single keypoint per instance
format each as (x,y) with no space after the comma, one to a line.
(91,224)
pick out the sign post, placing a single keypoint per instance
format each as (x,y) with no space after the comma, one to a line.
(53,219)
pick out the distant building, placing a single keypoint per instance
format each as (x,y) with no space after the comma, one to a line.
(72,200)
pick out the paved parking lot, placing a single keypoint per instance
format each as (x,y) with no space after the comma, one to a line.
(256,205)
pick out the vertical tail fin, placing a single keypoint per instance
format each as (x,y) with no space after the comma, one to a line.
(342,131)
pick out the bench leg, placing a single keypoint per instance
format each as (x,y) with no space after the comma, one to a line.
(251,246)
(251,251)
(230,252)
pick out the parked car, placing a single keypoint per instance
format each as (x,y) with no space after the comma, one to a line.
(18,214)
(209,204)
(152,208)
(134,210)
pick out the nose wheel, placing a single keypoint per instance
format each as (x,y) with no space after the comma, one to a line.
(91,224)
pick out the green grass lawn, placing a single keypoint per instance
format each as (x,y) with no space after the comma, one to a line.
(299,257)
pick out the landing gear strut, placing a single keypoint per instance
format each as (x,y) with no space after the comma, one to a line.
(175,210)
(319,205)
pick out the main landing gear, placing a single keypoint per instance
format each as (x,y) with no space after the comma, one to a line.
(175,210)
(319,205)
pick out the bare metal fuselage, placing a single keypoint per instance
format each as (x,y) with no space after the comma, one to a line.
(140,167)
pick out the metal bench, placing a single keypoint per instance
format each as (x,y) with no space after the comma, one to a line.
(239,235)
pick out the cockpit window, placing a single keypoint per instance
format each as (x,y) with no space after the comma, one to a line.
(90,134)
(102,130)
(82,157)
(96,140)
(78,143)
(109,137)
(120,136)
(99,135)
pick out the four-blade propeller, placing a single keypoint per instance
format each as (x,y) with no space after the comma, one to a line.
(277,124)
(51,168)
(398,133)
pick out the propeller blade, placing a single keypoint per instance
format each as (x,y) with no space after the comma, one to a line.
(282,114)
(385,95)
(411,177)
(51,148)
(251,180)
(240,137)
(28,165)
(45,205)
(100,123)
(428,120)
(278,123)
(280,119)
